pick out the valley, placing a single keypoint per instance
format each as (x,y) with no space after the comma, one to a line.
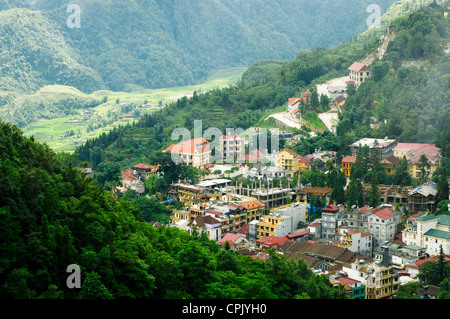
(119,109)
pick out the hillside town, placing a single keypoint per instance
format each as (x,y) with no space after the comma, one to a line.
(370,251)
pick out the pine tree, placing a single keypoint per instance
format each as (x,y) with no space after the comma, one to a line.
(442,188)
(373,199)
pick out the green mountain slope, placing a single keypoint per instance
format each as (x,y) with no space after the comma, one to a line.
(157,44)
(52,216)
(34,54)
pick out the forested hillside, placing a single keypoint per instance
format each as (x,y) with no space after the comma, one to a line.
(52,216)
(413,100)
(162,43)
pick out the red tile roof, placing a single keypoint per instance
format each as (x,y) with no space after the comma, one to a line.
(244,229)
(331,208)
(348,159)
(300,234)
(272,241)
(385,213)
(290,152)
(143,166)
(229,237)
(302,159)
(347,280)
(294,100)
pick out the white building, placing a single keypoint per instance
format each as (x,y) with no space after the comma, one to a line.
(208,225)
(330,216)
(383,225)
(430,232)
(232,147)
(358,73)
(358,242)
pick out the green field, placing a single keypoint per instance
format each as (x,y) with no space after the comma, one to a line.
(54,131)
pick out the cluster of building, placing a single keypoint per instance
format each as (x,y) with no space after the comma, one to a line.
(371,251)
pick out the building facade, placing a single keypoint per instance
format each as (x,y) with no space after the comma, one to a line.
(359,72)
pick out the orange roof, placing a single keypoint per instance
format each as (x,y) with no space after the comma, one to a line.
(306,94)
(294,100)
(189,147)
(128,175)
(252,204)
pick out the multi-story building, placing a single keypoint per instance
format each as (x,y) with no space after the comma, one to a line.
(304,194)
(347,163)
(146,171)
(131,181)
(384,224)
(355,288)
(254,209)
(194,152)
(232,148)
(330,216)
(429,231)
(358,242)
(283,221)
(358,218)
(413,153)
(358,72)
(422,198)
(292,162)
(207,225)
(385,146)
(382,283)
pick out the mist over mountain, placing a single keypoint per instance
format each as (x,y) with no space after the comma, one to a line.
(153,44)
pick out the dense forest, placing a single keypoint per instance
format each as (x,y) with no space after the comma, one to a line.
(52,216)
(413,98)
(154,44)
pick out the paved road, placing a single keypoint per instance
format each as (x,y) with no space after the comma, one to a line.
(286,119)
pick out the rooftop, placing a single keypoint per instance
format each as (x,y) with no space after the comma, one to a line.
(358,67)
(372,142)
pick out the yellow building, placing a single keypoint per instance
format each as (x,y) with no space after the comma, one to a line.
(347,163)
(382,283)
(254,209)
(180,215)
(291,162)
(413,153)
(267,227)
(389,164)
